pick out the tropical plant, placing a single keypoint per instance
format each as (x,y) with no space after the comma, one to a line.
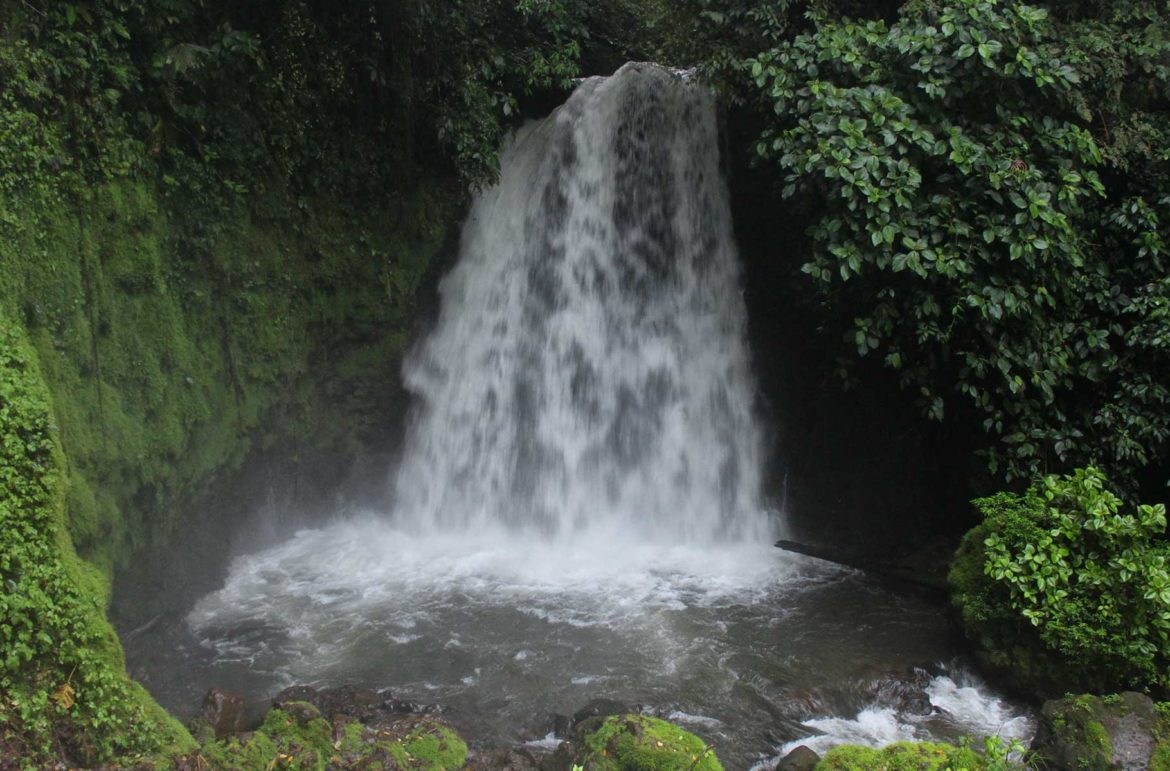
(984,184)
(1066,587)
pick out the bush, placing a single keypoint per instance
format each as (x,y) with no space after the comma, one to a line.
(1065,590)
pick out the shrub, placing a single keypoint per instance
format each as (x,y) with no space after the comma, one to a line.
(1063,588)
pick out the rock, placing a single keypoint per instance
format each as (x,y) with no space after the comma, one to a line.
(517,759)
(800,759)
(1115,733)
(294,735)
(364,704)
(300,711)
(600,708)
(560,759)
(222,712)
(295,693)
(644,742)
(560,726)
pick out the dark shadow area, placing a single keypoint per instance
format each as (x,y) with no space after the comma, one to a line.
(857,469)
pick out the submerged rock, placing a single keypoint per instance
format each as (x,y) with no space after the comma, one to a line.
(1098,732)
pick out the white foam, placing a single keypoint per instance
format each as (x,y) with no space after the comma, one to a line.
(970,710)
(678,716)
(549,742)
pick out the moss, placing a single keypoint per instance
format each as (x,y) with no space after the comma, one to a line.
(299,741)
(1073,731)
(62,675)
(1160,760)
(297,737)
(431,746)
(155,364)
(902,756)
(156,326)
(644,743)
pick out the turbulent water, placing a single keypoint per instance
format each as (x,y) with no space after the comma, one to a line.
(577,512)
(589,367)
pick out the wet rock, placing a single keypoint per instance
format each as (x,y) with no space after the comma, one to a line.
(295,693)
(296,736)
(800,759)
(366,705)
(1097,732)
(516,759)
(300,711)
(395,706)
(642,741)
(560,726)
(600,708)
(561,759)
(222,713)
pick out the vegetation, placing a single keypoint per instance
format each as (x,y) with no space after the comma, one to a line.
(644,743)
(902,756)
(299,737)
(63,689)
(983,183)
(214,216)
(1066,589)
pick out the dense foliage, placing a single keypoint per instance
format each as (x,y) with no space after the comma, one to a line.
(1063,585)
(985,183)
(211,218)
(62,684)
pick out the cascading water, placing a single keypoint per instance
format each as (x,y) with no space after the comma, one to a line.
(589,367)
(577,513)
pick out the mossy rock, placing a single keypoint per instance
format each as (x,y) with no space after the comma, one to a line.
(644,743)
(903,756)
(1099,733)
(297,736)
(430,745)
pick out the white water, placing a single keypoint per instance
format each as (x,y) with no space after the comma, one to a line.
(969,709)
(577,512)
(589,366)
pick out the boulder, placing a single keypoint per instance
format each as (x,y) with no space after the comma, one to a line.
(1097,733)
(631,742)
(800,759)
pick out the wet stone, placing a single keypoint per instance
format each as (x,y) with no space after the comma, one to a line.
(800,759)
(223,712)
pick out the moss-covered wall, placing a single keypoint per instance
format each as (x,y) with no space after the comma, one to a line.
(167,365)
(162,348)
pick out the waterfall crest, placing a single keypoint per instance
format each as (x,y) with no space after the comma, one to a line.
(589,365)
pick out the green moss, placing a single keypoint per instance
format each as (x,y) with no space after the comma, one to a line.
(168,360)
(299,741)
(902,756)
(644,743)
(158,322)
(430,746)
(1160,760)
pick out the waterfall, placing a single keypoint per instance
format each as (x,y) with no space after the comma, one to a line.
(589,368)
